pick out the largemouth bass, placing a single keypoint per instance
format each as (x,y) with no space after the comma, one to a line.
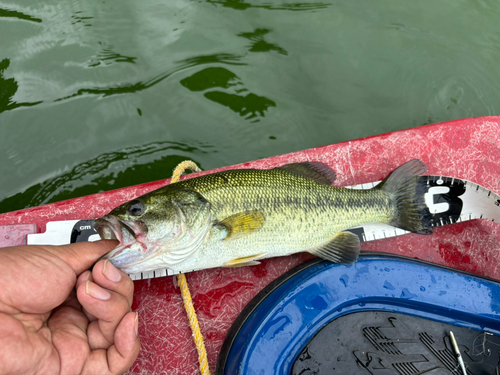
(236,217)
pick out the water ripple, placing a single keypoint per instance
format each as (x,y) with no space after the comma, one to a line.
(143,85)
(19,15)
(243,5)
(131,165)
(8,89)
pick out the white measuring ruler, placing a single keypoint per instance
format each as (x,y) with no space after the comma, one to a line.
(449,200)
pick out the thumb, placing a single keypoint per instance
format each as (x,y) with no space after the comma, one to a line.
(81,256)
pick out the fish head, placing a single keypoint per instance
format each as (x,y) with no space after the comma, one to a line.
(155,227)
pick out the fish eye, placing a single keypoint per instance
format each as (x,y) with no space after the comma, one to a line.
(136,208)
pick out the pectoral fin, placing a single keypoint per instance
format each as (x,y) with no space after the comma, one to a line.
(344,248)
(242,223)
(245,261)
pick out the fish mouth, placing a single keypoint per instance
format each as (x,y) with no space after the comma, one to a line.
(112,228)
(130,234)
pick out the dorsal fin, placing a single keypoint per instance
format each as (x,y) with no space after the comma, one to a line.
(314,170)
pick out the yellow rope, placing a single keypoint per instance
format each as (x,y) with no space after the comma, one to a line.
(186,295)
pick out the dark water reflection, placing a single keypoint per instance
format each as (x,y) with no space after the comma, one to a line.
(247,105)
(8,88)
(259,44)
(243,5)
(95,96)
(108,171)
(13,13)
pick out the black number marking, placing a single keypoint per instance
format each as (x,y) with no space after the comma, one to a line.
(457,188)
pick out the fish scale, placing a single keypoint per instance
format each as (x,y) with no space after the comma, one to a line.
(291,228)
(234,218)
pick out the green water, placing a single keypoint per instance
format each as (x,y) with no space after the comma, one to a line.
(97,95)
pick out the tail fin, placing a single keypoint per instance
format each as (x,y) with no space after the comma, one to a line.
(411,210)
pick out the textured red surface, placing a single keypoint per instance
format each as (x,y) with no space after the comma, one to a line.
(468,149)
(15,235)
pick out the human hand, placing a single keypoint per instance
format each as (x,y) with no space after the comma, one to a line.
(56,317)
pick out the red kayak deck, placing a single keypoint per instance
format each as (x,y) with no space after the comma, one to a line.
(468,149)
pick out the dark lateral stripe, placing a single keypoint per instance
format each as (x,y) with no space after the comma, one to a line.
(16,14)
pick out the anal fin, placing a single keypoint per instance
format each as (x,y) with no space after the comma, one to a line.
(344,248)
(250,260)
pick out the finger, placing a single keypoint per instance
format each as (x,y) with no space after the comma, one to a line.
(108,276)
(87,275)
(107,306)
(39,278)
(126,349)
(119,357)
(82,255)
